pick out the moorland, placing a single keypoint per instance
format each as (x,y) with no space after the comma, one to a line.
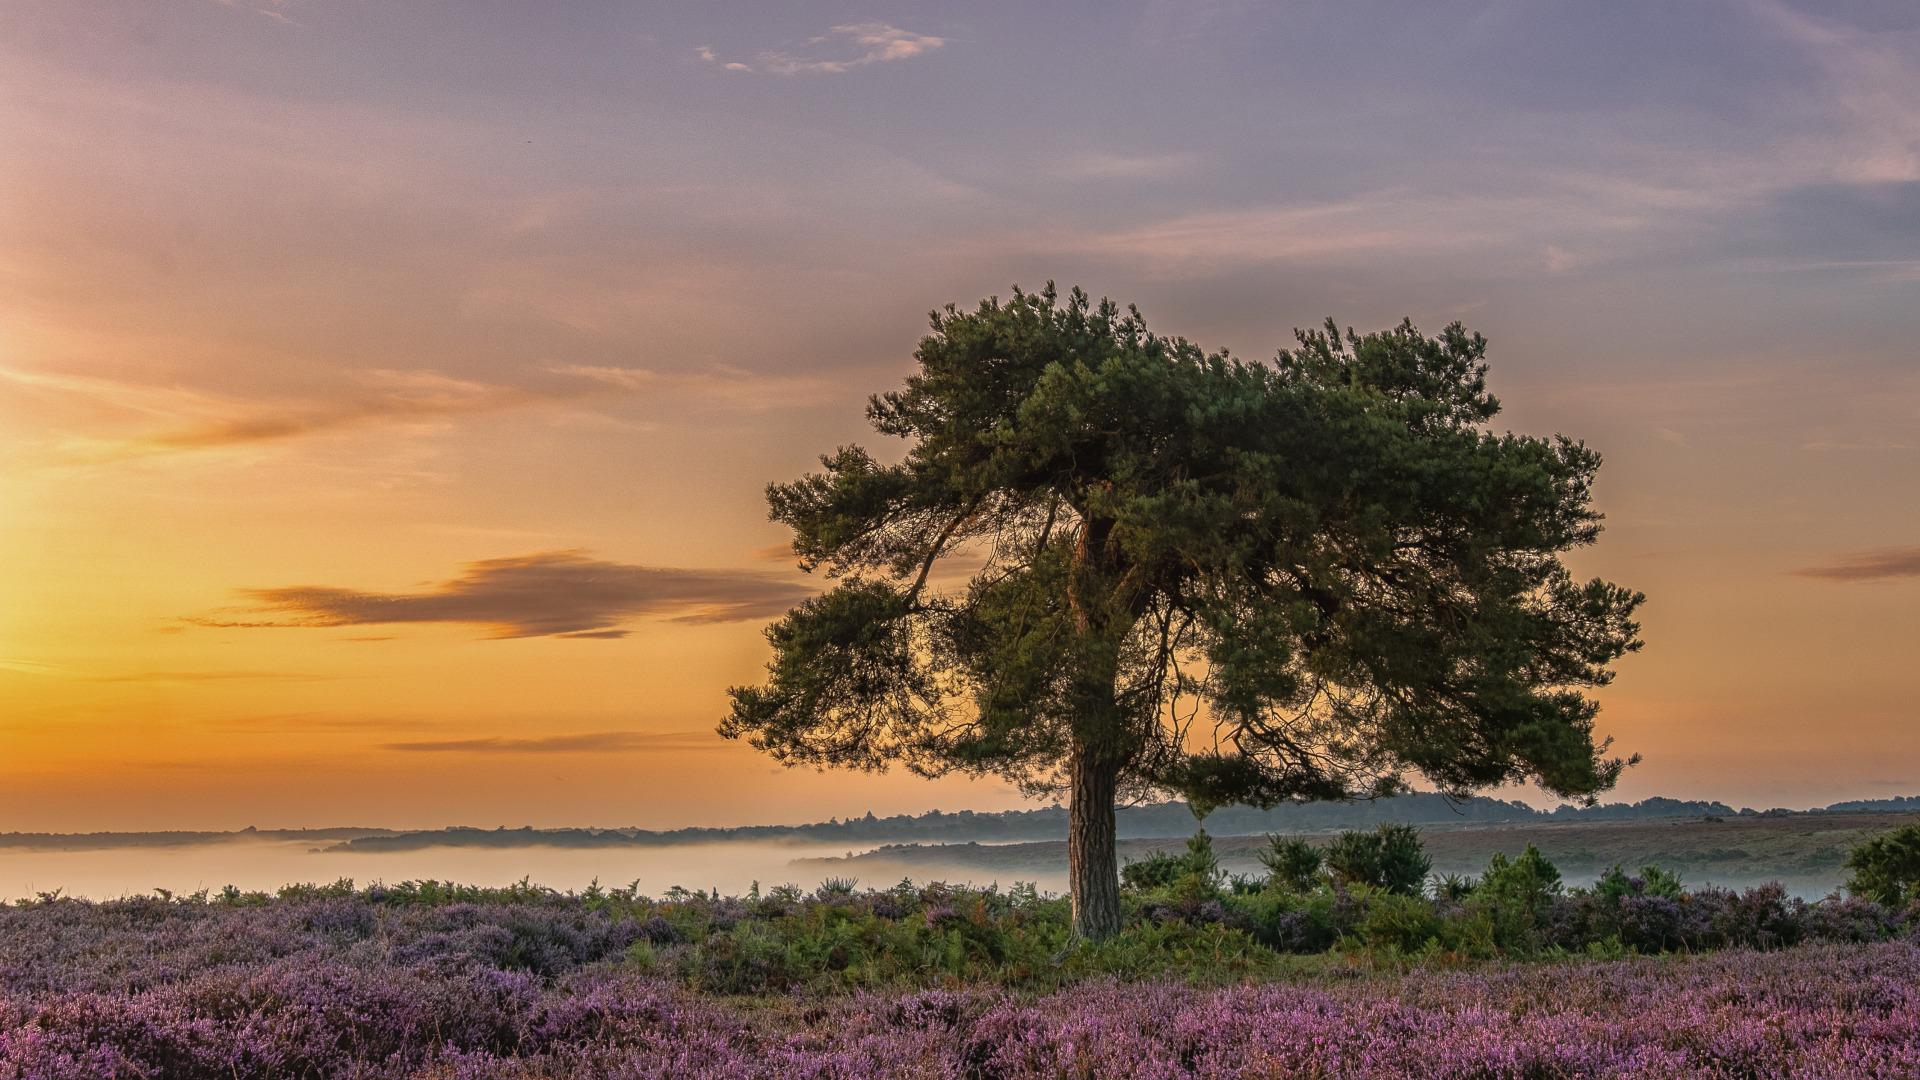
(1347,956)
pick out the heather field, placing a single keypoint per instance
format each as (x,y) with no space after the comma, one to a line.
(428,980)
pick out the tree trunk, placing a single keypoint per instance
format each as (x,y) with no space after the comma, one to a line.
(1093,864)
(1093,868)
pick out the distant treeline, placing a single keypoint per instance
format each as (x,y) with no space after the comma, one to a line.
(1155,821)
(97,841)
(1050,823)
(1898,802)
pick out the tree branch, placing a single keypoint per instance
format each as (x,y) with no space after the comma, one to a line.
(939,544)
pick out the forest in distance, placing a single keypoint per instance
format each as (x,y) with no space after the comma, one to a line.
(1155,821)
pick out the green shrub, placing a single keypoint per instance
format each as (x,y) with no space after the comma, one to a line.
(1179,921)
(1194,875)
(342,887)
(1530,881)
(1406,923)
(1200,954)
(1157,871)
(233,897)
(1513,898)
(1291,863)
(1472,932)
(1653,881)
(1886,868)
(1454,887)
(844,940)
(1390,858)
(1201,862)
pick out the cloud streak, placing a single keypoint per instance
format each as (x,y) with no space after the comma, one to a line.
(589,742)
(877,41)
(563,594)
(727,387)
(1880,564)
(1591,220)
(178,419)
(776,553)
(395,396)
(196,420)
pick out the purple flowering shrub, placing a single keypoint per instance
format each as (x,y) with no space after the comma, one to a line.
(1810,1011)
(429,979)
(1622,909)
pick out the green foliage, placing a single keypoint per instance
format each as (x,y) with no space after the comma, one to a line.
(1201,862)
(975,938)
(431,893)
(342,887)
(1608,948)
(1292,863)
(1886,868)
(1513,896)
(841,938)
(1202,955)
(1390,858)
(1245,884)
(1397,920)
(1157,870)
(1353,856)
(1454,887)
(1331,553)
(1653,881)
(1196,872)
(231,896)
(1528,881)
(1149,504)
(1661,882)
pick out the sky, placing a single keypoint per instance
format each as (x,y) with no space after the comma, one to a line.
(388,388)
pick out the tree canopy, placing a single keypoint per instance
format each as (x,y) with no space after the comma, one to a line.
(1183,572)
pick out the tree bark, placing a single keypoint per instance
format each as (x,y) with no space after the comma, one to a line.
(1093,873)
(1093,863)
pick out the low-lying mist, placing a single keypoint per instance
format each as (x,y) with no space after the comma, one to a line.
(1804,851)
(267,864)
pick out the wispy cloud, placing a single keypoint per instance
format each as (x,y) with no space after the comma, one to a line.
(1261,235)
(1603,219)
(780,553)
(1880,564)
(839,50)
(183,419)
(1874,82)
(726,386)
(383,395)
(1103,166)
(590,742)
(546,594)
(131,420)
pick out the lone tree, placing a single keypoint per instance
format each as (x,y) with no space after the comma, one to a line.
(1233,582)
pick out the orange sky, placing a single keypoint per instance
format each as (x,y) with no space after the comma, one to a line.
(324,314)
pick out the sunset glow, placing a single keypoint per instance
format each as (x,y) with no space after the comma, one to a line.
(388,391)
